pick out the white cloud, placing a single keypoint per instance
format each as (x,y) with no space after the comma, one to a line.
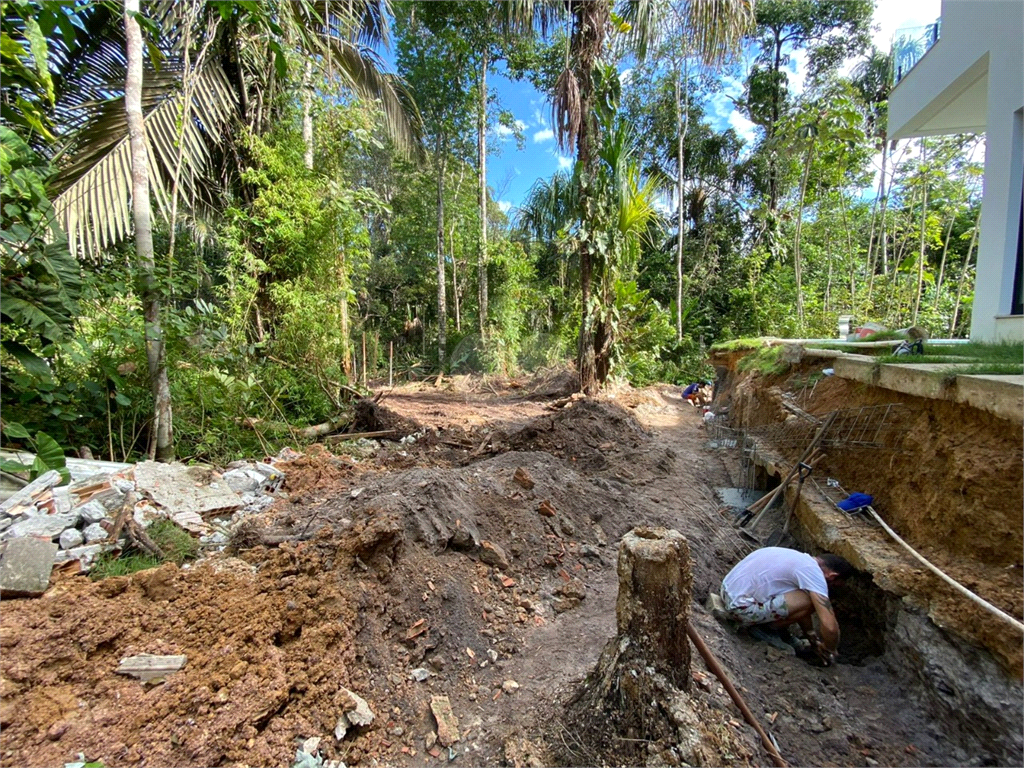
(506,132)
(505,206)
(625,76)
(890,17)
(539,119)
(743,127)
(546,135)
(564,162)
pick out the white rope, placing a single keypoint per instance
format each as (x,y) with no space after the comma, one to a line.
(953,583)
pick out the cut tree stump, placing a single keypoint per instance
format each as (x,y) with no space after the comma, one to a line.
(636,698)
(653,607)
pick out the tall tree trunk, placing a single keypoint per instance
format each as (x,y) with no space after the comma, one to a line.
(442,307)
(455,275)
(885,200)
(963,278)
(481,263)
(346,344)
(942,262)
(162,442)
(797,267)
(307,114)
(849,249)
(924,224)
(682,125)
(588,40)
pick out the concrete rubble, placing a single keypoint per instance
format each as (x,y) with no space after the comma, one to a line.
(74,522)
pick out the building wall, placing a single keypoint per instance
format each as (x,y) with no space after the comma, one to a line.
(979,38)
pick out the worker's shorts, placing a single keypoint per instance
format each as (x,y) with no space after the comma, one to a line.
(747,611)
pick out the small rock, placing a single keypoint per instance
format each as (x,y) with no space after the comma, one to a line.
(493,654)
(419,674)
(523,479)
(545,509)
(869,761)
(311,745)
(447,724)
(84,555)
(124,486)
(355,493)
(574,588)
(95,532)
(71,538)
(492,554)
(147,667)
(57,730)
(568,529)
(92,512)
(510,687)
(243,480)
(430,740)
(358,714)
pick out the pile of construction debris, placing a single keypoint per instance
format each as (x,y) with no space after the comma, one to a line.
(45,525)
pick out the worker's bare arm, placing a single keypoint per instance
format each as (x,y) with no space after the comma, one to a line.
(827,621)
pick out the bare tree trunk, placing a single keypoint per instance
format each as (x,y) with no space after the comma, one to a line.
(162,445)
(797,266)
(942,262)
(885,200)
(455,276)
(307,113)
(924,223)
(442,307)
(481,263)
(963,278)
(682,125)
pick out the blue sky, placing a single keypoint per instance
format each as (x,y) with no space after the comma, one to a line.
(511,171)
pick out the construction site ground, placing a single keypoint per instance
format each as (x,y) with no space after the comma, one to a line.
(431,555)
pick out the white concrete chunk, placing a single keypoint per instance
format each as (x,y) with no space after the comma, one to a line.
(71,538)
(42,526)
(94,533)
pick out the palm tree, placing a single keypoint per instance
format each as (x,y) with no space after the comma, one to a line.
(577,123)
(231,60)
(161,442)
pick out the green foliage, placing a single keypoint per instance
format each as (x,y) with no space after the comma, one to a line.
(49,454)
(766,361)
(176,543)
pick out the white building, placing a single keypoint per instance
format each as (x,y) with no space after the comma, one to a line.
(972,81)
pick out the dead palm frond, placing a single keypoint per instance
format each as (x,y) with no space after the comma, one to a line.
(567,109)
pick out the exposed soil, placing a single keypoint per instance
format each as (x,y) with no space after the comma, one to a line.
(431,555)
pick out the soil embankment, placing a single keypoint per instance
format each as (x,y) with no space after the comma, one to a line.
(476,562)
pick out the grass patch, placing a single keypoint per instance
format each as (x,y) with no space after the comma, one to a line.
(766,361)
(1005,357)
(108,564)
(988,369)
(175,542)
(738,345)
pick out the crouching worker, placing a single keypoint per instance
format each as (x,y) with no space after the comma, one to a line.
(774,587)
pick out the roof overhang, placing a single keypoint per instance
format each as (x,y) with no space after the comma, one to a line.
(928,102)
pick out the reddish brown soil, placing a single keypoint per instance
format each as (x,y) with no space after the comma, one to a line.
(273,633)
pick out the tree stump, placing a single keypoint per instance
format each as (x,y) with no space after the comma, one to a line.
(653,607)
(631,700)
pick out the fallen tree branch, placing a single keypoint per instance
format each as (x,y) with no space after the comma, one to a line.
(306,433)
(358,435)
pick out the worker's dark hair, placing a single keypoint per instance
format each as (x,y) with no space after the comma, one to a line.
(839,565)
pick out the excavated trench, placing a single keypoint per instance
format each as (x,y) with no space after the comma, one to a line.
(949,482)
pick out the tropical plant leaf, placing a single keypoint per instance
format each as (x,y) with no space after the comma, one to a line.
(15,431)
(29,360)
(93,206)
(50,453)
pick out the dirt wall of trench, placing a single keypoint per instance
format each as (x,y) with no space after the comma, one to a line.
(953,486)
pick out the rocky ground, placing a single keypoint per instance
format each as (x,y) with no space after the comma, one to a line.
(473,566)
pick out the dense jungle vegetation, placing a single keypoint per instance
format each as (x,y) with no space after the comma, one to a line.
(219,217)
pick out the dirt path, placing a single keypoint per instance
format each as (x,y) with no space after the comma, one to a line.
(430,560)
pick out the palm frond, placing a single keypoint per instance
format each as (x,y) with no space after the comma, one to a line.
(646,26)
(362,71)
(716,28)
(93,204)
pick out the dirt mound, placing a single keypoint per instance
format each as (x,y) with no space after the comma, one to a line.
(584,431)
